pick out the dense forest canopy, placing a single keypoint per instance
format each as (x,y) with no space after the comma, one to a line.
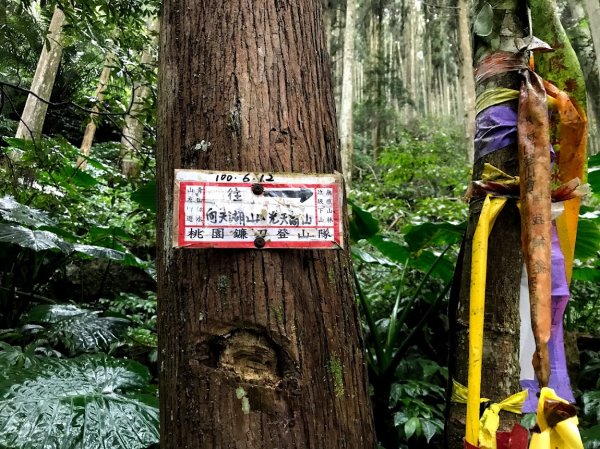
(79,86)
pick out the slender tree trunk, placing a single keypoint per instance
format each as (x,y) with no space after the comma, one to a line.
(468,82)
(505,261)
(132,136)
(578,29)
(34,113)
(90,129)
(258,349)
(379,59)
(348,93)
(592,7)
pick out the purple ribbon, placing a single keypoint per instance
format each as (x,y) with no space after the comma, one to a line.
(559,376)
(495,128)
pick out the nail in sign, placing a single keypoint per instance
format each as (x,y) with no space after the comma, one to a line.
(257,210)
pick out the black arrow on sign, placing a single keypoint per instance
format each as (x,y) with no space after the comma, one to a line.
(303,194)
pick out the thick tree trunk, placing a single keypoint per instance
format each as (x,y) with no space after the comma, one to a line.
(468,82)
(90,129)
(501,332)
(34,113)
(347,93)
(258,349)
(132,136)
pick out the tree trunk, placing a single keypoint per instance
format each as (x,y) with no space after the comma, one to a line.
(468,82)
(379,60)
(347,93)
(502,321)
(34,113)
(578,29)
(132,136)
(258,349)
(592,7)
(90,129)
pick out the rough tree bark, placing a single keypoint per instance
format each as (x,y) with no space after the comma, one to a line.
(346,127)
(34,113)
(505,260)
(258,349)
(468,82)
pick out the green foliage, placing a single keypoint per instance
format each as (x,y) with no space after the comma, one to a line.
(419,178)
(83,403)
(75,329)
(416,285)
(90,206)
(141,313)
(589,400)
(419,399)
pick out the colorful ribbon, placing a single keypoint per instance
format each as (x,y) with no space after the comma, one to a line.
(490,420)
(562,434)
(489,212)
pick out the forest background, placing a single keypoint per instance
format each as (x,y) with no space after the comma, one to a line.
(77,204)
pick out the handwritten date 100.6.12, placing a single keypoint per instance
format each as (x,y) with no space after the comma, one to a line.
(248,177)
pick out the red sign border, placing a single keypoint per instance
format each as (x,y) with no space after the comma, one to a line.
(179,236)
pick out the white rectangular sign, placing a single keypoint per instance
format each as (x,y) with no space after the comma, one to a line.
(257,210)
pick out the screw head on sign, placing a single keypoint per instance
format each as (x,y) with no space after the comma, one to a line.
(257,189)
(259,242)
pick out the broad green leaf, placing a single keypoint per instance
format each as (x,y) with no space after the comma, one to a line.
(99,252)
(429,429)
(14,356)
(587,244)
(444,269)
(35,240)
(362,223)
(400,418)
(484,21)
(367,257)
(90,402)
(427,234)
(390,249)
(590,435)
(78,330)
(20,144)
(594,180)
(100,233)
(61,232)
(78,177)
(52,313)
(587,274)
(412,426)
(146,196)
(12,210)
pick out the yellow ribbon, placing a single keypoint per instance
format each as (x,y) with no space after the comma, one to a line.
(564,435)
(490,210)
(490,420)
(496,95)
